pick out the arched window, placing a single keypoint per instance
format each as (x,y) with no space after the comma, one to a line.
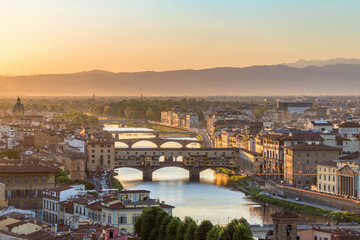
(288,231)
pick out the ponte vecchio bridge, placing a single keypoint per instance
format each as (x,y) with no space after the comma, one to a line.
(154,137)
(194,160)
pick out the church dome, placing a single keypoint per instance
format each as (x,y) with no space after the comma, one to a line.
(18,108)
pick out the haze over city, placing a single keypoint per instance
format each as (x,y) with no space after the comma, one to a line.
(179,120)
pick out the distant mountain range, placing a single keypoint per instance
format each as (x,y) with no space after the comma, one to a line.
(290,79)
(305,63)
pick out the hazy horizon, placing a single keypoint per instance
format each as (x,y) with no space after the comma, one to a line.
(139,35)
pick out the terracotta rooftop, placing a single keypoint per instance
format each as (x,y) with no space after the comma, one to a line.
(284,214)
(60,189)
(250,152)
(40,235)
(312,147)
(15,224)
(304,136)
(351,156)
(67,204)
(328,163)
(134,191)
(28,168)
(350,125)
(338,138)
(96,206)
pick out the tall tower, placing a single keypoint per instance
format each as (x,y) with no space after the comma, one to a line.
(285,225)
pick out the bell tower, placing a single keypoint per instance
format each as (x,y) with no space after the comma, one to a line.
(285,225)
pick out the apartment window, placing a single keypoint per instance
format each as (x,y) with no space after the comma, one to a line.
(43,179)
(92,161)
(319,176)
(102,151)
(308,154)
(93,156)
(108,156)
(122,219)
(26,179)
(333,178)
(109,218)
(2,179)
(93,151)
(17,179)
(108,161)
(9,179)
(109,151)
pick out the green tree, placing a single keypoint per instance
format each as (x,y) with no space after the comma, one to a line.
(148,221)
(190,231)
(10,154)
(242,232)
(202,230)
(164,224)
(181,231)
(214,233)
(172,228)
(229,230)
(63,180)
(158,220)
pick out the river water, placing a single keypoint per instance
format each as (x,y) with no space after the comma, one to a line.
(209,199)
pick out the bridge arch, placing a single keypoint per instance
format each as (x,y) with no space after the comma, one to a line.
(129,173)
(171,144)
(171,173)
(140,143)
(121,145)
(193,145)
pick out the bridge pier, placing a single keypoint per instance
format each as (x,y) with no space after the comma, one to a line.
(194,174)
(147,174)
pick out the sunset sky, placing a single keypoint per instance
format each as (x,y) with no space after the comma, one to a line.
(64,36)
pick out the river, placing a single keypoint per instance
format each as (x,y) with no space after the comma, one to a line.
(209,199)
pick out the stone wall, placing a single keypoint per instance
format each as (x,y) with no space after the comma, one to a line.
(314,197)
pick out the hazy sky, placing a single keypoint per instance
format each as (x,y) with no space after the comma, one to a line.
(57,36)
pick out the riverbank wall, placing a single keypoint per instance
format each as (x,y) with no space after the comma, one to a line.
(314,197)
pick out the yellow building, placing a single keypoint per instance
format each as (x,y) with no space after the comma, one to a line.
(122,214)
(24,183)
(101,153)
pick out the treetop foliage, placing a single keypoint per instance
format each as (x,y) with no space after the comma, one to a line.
(156,224)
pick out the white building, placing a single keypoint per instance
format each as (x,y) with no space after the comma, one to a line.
(52,197)
(339,177)
(319,126)
(350,130)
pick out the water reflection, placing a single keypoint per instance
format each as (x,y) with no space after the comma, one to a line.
(208,199)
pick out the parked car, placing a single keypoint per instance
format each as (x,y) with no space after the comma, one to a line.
(297,199)
(265,193)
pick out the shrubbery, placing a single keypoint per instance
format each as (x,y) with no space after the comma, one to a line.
(116,184)
(156,224)
(62,178)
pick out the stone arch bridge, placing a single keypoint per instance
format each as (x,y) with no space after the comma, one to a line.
(194,160)
(194,171)
(158,141)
